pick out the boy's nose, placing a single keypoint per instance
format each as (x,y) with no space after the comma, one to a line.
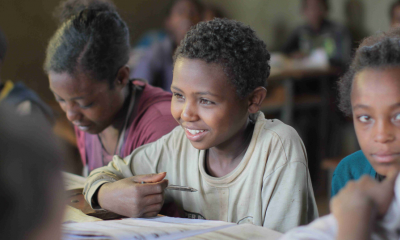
(189,113)
(383,132)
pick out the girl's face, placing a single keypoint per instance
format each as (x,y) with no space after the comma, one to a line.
(375,100)
(205,104)
(89,104)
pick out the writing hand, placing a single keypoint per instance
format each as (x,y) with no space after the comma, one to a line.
(128,197)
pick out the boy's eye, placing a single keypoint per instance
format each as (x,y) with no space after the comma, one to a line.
(178,95)
(364,118)
(205,101)
(397,117)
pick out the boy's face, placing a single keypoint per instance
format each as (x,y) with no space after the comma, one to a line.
(375,100)
(314,11)
(395,21)
(205,104)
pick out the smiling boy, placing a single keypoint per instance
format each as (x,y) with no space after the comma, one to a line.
(247,169)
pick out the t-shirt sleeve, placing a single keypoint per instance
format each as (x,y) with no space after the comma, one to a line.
(143,160)
(288,197)
(292,200)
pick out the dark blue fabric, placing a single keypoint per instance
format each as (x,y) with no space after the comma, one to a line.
(21,93)
(351,167)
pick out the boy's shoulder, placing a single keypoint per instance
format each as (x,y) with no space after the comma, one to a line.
(276,127)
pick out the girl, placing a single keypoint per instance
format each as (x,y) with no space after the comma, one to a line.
(370,92)
(247,169)
(86,64)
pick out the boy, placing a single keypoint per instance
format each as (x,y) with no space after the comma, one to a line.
(247,169)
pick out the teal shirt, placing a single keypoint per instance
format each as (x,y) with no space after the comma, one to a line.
(351,167)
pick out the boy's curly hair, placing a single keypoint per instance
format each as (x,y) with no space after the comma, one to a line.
(378,51)
(236,47)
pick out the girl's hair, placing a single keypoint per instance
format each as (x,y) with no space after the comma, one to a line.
(236,47)
(378,51)
(94,41)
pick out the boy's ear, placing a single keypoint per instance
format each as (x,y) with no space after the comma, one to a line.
(256,98)
(122,77)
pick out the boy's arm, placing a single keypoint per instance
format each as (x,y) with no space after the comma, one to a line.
(118,183)
(291,198)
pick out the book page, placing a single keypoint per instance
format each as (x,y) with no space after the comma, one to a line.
(141,228)
(243,231)
(73,181)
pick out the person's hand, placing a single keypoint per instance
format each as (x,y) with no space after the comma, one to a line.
(360,203)
(129,197)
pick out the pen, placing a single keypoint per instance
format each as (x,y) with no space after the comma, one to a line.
(179,188)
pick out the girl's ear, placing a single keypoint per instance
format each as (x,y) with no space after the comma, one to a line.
(122,77)
(256,98)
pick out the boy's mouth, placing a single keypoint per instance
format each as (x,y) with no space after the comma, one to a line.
(195,134)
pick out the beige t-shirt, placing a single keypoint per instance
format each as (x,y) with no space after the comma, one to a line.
(270,187)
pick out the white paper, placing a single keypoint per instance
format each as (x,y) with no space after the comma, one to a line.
(140,228)
(73,181)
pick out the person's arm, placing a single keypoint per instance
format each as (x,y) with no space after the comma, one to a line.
(359,204)
(118,188)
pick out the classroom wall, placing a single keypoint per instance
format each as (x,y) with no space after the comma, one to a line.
(29,24)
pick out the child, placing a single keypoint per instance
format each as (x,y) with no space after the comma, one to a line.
(86,64)
(31,189)
(369,92)
(319,32)
(394,13)
(247,169)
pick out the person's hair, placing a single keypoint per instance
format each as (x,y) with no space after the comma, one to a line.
(234,46)
(3,45)
(95,42)
(392,7)
(378,51)
(325,3)
(68,8)
(30,163)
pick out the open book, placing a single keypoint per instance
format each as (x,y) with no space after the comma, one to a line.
(164,228)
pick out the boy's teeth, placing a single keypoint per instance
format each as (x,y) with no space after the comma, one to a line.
(194,131)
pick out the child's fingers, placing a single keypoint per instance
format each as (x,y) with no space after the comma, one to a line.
(149,178)
(383,192)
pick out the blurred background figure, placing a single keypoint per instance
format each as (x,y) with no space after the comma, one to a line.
(319,33)
(210,12)
(394,13)
(23,100)
(156,64)
(31,189)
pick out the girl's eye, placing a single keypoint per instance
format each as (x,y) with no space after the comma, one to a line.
(397,117)
(206,102)
(87,106)
(364,118)
(178,95)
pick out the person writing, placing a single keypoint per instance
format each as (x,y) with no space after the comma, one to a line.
(247,169)
(86,64)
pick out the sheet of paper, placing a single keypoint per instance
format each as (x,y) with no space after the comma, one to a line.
(72,214)
(243,231)
(73,181)
(145,229)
